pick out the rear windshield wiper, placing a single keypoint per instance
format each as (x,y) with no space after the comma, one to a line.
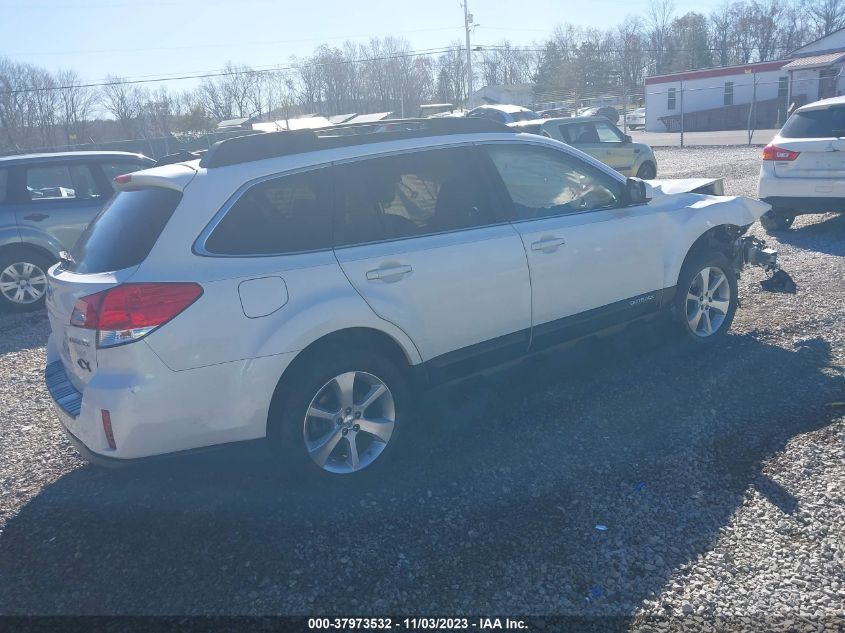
(66,258)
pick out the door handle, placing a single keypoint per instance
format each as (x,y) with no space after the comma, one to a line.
(548,244)
(36,217)
(390,273)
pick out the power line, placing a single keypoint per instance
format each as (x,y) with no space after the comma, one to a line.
(208,75)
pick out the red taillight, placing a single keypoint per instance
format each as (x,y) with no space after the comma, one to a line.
(772,152)
(123,179)
(130,311)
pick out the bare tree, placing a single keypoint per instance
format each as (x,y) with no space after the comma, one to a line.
(659,26)
(825,16)
(76,105)
(124,102)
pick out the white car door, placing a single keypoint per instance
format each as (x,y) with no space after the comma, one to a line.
(593,261)
(420,237)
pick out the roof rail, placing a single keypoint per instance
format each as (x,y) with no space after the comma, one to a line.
(248,148)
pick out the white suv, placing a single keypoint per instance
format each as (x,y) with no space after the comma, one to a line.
(803,167)
(297,286)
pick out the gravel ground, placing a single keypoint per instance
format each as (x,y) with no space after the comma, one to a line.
(719,476)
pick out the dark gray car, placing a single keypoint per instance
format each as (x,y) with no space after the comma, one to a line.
(46,200)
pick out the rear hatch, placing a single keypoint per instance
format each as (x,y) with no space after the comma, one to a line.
(107,254)
(818,135)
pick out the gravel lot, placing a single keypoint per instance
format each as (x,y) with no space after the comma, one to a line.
(720,478)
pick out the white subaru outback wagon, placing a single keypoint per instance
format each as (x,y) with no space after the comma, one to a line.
(297,286)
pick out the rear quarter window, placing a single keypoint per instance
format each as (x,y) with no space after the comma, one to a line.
(124,231)
(826,123)
(289,214)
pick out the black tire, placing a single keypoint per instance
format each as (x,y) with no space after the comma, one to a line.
(776,220)
(647,171)
(286,426)
(683,308)
(14,257)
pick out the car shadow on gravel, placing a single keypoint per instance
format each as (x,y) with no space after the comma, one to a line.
(825,236)
(497,507)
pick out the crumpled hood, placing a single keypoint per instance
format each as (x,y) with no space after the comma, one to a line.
(709,186)
(705,195)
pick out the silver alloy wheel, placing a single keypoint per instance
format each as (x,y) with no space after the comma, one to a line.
(708,301)
(349,422)
(23,282)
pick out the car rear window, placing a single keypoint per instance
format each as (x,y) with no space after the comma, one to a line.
(826,123)
(124,231)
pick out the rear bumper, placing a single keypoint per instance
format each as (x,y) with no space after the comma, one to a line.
(806,204)
(155,411)
(800,195)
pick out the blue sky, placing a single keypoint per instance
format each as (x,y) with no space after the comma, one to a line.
(140,38)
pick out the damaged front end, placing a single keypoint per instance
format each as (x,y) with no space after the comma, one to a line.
(752,251)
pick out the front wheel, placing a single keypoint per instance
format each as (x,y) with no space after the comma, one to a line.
(647,171)
(776,220)
(343,415)
(706,297)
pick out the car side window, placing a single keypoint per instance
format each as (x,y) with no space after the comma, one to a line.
(544,182)
(607,133)
(112,170)
(61,182)
(411,195)
(582,133)
(288,214)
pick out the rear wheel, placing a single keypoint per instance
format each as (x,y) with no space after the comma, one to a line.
(777,220)
(23,280)
(647,171)
(342,415)
(706,297)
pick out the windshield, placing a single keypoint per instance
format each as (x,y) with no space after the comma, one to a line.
(826,123)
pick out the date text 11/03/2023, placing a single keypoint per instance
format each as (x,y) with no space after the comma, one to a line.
(422,623)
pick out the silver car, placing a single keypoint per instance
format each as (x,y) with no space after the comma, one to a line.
(46,200)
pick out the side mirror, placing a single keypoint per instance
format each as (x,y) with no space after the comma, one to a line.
(637,191)
(628,138)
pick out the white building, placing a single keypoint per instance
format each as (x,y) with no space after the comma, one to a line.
(816,69)
(716,98)
(720,98)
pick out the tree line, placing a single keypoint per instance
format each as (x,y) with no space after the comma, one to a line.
(40,109)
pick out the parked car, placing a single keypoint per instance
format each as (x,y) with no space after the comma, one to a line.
(803,169)
(502,113)
(46,200)
(608,112)
(554,113)
(437,110)
(599,138)
(299,287)
(635,119)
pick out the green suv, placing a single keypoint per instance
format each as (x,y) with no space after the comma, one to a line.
(598,137)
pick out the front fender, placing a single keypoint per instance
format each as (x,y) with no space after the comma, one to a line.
(689,216)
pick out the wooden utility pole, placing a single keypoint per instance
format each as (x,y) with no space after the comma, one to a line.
(467,27)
